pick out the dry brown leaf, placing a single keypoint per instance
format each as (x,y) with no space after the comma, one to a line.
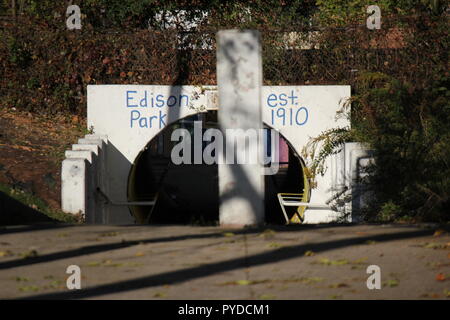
(440,277)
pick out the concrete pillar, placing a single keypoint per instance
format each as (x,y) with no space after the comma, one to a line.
(93,208)
(360,158)
(90,178)
(73,186)
(239,79)
(97,144)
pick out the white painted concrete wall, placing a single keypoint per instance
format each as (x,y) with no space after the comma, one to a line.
(131,116)
(308,110)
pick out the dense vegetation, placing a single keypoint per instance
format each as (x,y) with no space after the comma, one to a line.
(399,74)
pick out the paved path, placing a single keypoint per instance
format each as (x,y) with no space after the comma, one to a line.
(182,262)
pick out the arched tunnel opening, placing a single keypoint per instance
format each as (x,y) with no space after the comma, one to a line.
(189,193)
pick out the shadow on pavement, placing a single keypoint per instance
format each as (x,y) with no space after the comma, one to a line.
(124,244)
(105,247)
(13,212)
(179,276)
(30,228)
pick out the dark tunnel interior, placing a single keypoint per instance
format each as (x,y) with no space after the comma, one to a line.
(189,193)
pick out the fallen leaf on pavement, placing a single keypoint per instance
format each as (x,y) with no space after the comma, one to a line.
(360,261)
(160,295)
(391,283)
(434,245)
(6,253)
(29,254)
(268,233)
(228,234)
(328,262)
(440,277)
(438,233)
(21,279)
(29,288)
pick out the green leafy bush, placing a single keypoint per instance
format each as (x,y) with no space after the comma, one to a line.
(19,54)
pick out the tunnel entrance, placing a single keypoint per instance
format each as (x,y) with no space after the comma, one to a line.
(189,193)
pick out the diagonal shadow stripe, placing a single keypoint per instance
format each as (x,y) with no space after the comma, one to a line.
(184,275)
(30,228)
(101,248)
(120,245)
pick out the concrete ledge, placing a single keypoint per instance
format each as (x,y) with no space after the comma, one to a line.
(79,154)
(94,148)
(103,137)
(90,141)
